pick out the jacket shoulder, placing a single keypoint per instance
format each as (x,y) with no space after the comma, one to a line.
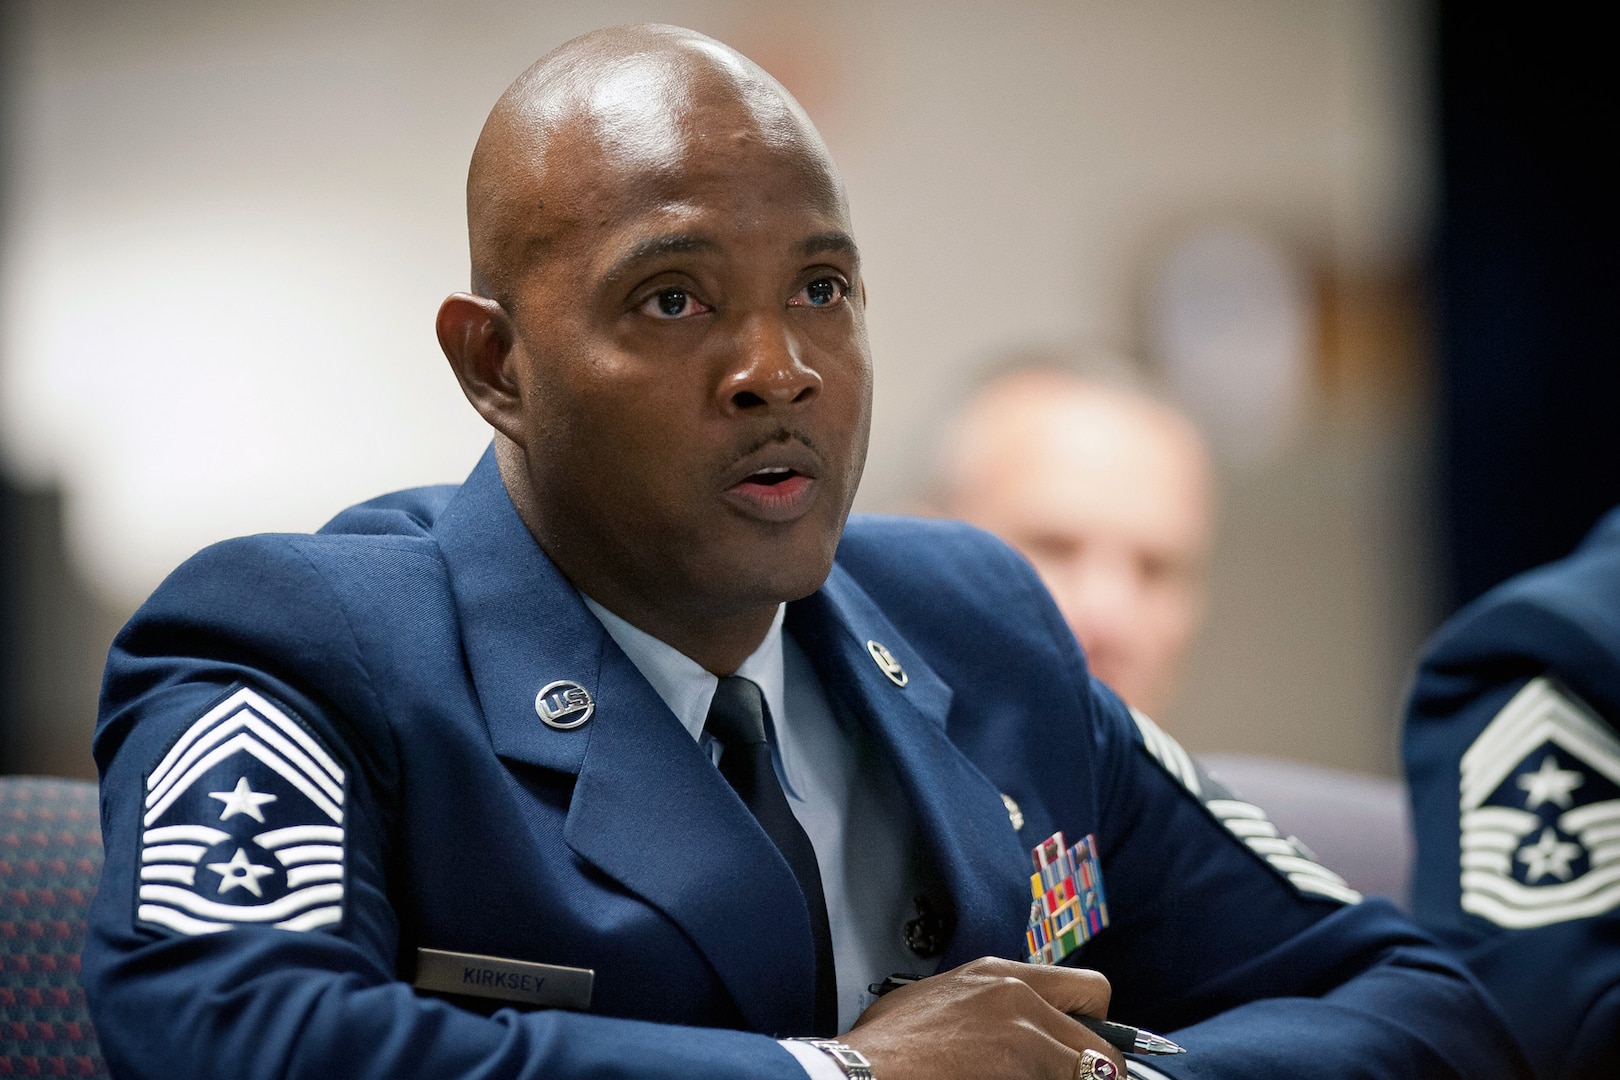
(410,512)
(1564,616)
(960,595)
(920,557)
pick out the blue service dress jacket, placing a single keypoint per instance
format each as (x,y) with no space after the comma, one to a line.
(379,679)
(1513,752)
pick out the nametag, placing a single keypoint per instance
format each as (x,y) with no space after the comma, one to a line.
(550,985)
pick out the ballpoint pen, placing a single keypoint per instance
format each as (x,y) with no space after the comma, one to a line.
(1132,1040)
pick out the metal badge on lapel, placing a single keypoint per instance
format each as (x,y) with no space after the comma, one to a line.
(1014,815)
(564,704)
(887,663)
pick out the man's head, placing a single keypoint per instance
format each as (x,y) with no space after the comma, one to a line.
(1107,493)
(667,328)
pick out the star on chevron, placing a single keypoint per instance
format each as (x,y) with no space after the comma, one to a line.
(240,871)
(1548,855)
(242,800)
(1549,783)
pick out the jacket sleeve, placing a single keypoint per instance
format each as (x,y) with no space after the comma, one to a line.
(226,941)
(1513,753)
(1250,954)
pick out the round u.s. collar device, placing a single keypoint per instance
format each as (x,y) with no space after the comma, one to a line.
(564,704)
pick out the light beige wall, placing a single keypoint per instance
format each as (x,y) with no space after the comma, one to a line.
(227,227)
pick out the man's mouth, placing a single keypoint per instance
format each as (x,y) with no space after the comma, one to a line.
(772,477)
(776,492)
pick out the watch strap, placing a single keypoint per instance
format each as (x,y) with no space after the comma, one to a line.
(849,1059)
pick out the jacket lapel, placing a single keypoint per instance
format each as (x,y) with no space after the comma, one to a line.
(975,852)
(648,809)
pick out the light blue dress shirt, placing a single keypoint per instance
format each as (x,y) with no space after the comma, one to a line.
(839,786)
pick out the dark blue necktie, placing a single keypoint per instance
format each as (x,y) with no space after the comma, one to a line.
(737,721)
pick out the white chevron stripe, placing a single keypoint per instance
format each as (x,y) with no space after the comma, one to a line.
(1524,918)
(244,697)
(200,834)
(176,920)
(243,721)
(1500,862)
(288,905)
(300,834)
(1247,829)
(185,875)
(1512,892)
(190,853)
(1342,893)
(1542,711)
(1481,840)
(299,876)
(1584,817)
(310,853)
(1168,753)
(243,741)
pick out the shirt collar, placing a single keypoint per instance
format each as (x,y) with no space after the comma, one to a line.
(683,683)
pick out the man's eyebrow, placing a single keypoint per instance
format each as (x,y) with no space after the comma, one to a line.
(672,244)
(835,241)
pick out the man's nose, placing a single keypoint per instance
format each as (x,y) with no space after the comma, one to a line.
(768,371)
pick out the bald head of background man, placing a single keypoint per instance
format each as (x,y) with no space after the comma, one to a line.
(1108,493)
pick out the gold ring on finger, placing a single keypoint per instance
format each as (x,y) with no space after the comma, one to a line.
(1095,1066)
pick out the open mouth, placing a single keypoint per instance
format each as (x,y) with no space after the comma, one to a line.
(774,493)
(772,477)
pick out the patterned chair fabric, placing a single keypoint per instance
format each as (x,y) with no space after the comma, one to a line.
(50,860)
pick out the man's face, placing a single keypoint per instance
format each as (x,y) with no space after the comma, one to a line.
(1108,499)
(698,381)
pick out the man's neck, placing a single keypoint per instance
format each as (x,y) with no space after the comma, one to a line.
(718,640)
(719,646)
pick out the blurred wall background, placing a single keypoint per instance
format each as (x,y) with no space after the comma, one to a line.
(226,228)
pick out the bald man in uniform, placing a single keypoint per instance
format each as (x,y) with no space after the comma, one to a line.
(1107,492)
(628,757)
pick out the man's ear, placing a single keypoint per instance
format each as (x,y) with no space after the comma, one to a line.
(476,336)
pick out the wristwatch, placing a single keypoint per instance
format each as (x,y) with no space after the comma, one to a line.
(851,1060)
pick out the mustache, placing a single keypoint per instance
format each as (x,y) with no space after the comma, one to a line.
(777,437)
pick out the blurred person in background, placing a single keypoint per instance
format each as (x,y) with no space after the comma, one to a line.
(1108,492)
(1513,754)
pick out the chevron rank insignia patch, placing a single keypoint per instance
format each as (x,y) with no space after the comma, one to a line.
(1288,856)
(243,825)
(1540,812)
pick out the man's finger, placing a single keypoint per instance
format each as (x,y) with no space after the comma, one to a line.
(1069,990)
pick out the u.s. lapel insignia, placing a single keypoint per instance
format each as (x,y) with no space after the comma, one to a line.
(1540,812)
(564,704)
(887,664)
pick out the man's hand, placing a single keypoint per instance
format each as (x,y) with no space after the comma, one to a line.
(983,1021)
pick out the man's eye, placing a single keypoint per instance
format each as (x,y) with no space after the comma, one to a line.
(672,304)
(822,292)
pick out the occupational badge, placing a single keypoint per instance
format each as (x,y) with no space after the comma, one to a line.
(243,825)
(1540,812)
